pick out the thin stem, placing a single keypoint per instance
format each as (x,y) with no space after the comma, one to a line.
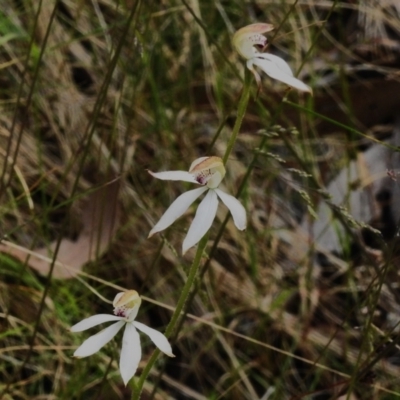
(90,133)
(190,287)
(242,107)
(27,103)
(207,30)
(137,389)
(339,124)
(218,132)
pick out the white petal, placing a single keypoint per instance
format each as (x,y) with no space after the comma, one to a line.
(131,353)
(245,38)
(96,342)
(235,207)
(275,71)
(157,338)
(174,176)
(215,180)
(279,62)
(133,312)
(93,321)
(197,161)
(203,220)
(176,209)
(245,45)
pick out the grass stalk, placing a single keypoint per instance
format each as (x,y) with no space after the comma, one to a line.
(193,272)
(242,107)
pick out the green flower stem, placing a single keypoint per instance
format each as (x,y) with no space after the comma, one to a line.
(187,289)
(138,387)
(242,107)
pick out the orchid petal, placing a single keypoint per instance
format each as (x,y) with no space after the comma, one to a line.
(157,338)
(127,304)
(215,180)
(131,353)
(245,45)
(93,321)
(133,312)
(278,61)
(207,163)
(202,221)
(275,71)
(235,207)
(177,209)
(208,170)
(196,162)
(174,176)
(258,27)
(245,38)
(96,342)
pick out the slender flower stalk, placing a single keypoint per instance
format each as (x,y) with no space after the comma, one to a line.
(195,267)
(242,107)
(126,307)
(193,272)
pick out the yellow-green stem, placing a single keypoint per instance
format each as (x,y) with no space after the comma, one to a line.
(242,107)
(137,388)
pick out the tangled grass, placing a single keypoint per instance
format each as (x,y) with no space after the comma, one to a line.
(305,303)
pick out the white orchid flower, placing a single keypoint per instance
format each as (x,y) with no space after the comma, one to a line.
(126,306)
(244,41)
(209,172)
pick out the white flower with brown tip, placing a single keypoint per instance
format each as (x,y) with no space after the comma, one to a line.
(208,172)
(245,40)
(126,306)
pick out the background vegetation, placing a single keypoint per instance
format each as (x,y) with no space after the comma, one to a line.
(305,303)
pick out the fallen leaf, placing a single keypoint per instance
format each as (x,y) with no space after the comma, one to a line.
(358,188)
(100,217)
